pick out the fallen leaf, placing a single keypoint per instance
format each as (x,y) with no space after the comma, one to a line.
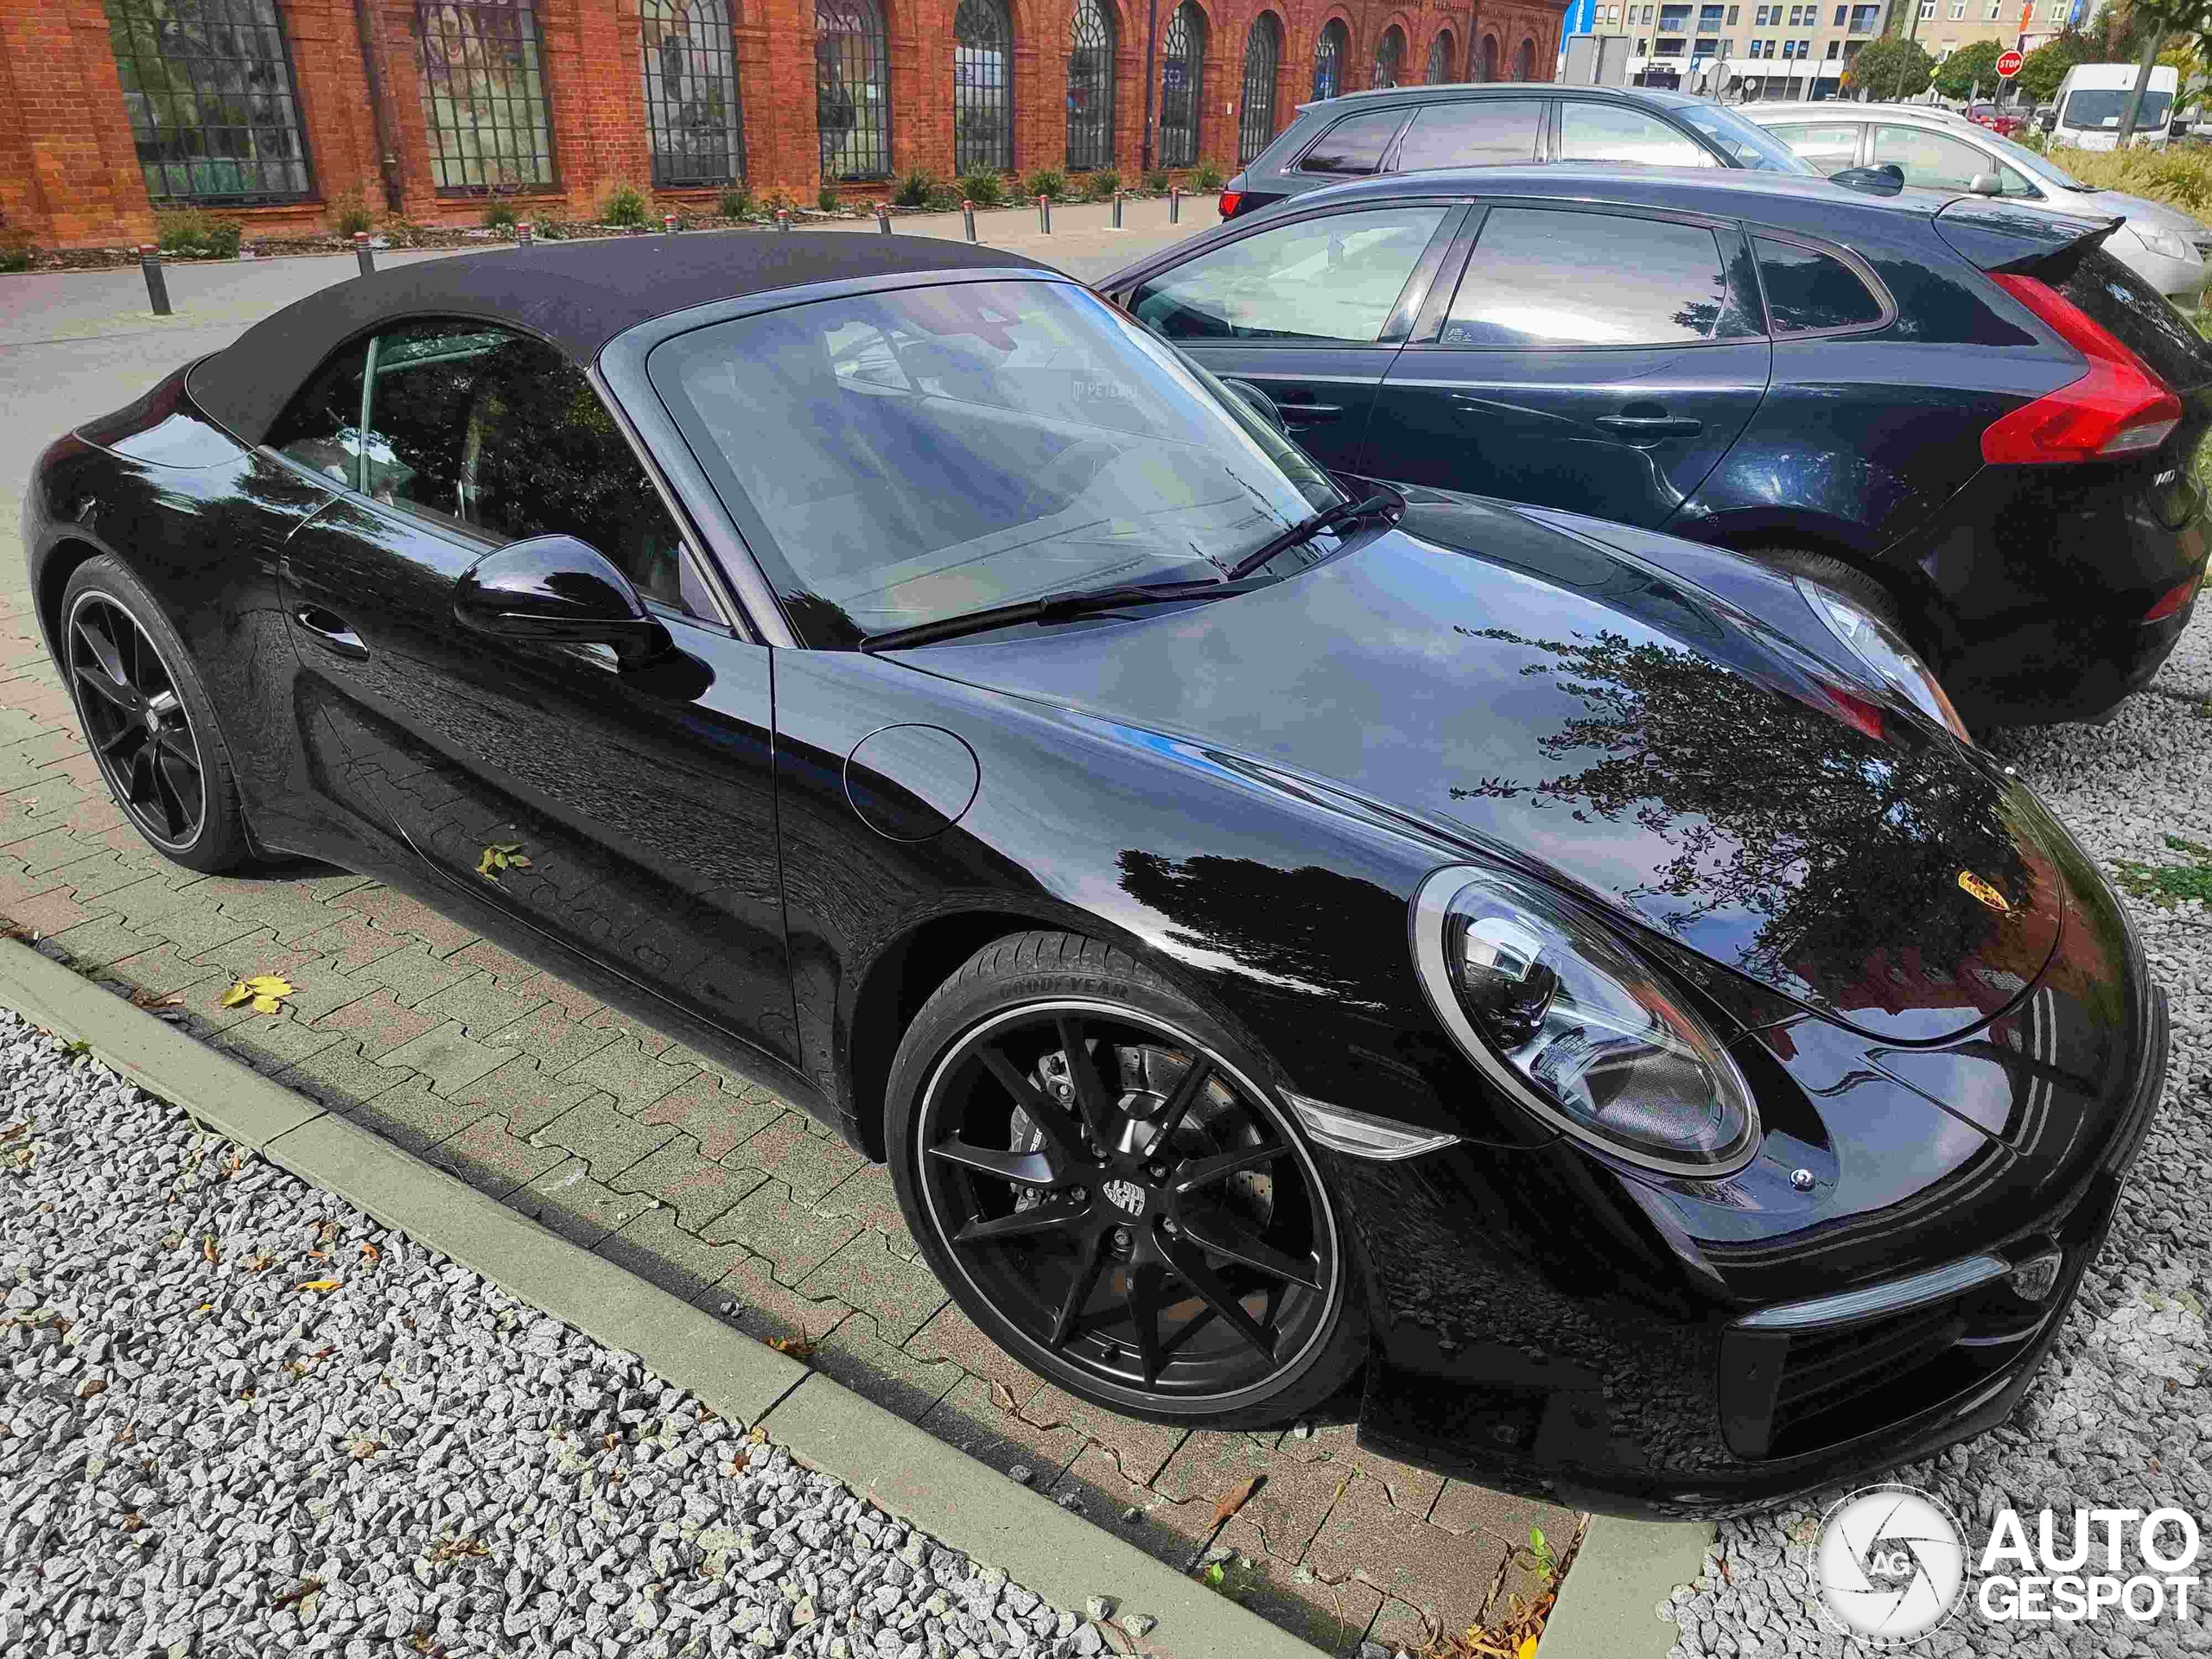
(1003,1396)
(320,1284)
(364,1450)
(1237,1499)
(265,992)
(208,1251)
(371,1253)
(797,1347)
(500,856)
(304,1588)
(1527,1650)
(91,1386)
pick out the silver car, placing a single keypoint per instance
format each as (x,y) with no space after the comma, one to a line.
(1943,150)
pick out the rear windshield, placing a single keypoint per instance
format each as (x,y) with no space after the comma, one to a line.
(2095,108)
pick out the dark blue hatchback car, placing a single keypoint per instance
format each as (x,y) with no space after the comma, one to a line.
(1965,415)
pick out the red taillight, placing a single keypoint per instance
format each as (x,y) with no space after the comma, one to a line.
(1229,201)
(2117,407)
(2174,601)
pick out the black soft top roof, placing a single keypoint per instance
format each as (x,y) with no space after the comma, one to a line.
(578,295)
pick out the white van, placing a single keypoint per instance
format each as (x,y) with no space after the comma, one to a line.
(2092,96)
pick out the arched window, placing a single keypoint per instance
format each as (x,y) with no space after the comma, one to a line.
(1090,88)
(1489,59)
(1182,94)
(484,96)
(1256,120)
(852,89)
(982,86)
(1439,60)
(1389,57)
(1329,55)
(213,109)
(692,119)
(1524,60)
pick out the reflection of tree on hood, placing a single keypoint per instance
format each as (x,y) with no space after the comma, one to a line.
(1310,926)
(1846,846)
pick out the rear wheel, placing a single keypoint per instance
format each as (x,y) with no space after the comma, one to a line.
(1093,1167)
(1831,573)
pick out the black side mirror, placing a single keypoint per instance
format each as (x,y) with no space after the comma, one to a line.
(1262,405)
(557,588)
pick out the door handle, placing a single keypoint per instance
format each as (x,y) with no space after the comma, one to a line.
(1310,412)
(1651,426)
(331,632)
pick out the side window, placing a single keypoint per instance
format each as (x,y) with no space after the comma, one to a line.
(479,428)
(1354,145)
(1335,279)
(1806,289)
(1830,146)
(1541,278)
(1938,163)
(1486,132)
(1606,132)
(322,427)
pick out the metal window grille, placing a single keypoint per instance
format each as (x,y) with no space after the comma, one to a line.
(852,89)
(491,129)
(1255,122)
(1182,99)
(693,119)
(1439,60)
(982,86)
(1091,88)
(1390,56)
(214,107)
(1329,55)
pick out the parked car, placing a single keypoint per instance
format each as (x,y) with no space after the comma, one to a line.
(1972,419)
(2093,96)
(1578,981)
(1411,129)
(2164,246)
(2004,121)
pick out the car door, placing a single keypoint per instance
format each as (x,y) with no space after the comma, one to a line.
(627,813)
(1311,309)
(1599,359)
(1476,132)
(1832,146)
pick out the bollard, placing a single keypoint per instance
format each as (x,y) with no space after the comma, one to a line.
(525,233)
(158,284)
(669,223)
(883,218)
(1117,210)
(783,219)
(1045,213)
(364,255)
(968,213)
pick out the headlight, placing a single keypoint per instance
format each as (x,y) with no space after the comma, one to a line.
(1570,1024)
(2169,244)
(1875,643)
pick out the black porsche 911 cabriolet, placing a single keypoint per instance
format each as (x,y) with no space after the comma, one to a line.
(1283,932)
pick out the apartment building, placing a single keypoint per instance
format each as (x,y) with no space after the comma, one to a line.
(1944,26)
(1741,52)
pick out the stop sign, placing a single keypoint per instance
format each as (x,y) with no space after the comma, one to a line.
(2008,64)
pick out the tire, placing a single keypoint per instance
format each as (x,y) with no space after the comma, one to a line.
(1831,573)
(153,733)
(990,1126)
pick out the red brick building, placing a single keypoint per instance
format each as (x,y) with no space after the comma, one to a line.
(282,112)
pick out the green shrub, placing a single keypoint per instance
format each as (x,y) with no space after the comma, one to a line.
(1047,182)
(942,198)
(915,189)
(547,230)
(827,199)
(736,201)
(17,252)
(1206,178)
(1156,179)
(194,233)
(2179,177)
(983,186)
(625,205)
(349,213)
(498,217)
(1102,185)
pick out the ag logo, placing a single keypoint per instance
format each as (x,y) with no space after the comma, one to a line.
(1982,890)
(1125,1195)
(1892,1564)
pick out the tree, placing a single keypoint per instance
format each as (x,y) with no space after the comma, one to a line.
(1969,70)
(2047,65)
(1890,68)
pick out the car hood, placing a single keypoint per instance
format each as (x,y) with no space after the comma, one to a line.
(1515,688)
(2134,208)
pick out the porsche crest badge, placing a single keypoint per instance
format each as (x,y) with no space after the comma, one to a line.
(1982,890)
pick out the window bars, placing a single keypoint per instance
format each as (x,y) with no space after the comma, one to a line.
(214,107)
(694,121)
(852,89)
(1255,122)
(1329,55)
(1091,88)
(1182,100)
(491,129)
(982,86)
(1439,60)
(1389,57)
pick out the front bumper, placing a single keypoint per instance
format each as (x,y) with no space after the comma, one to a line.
(2178,279)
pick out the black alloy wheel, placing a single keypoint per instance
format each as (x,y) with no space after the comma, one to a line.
(136,722)
(1117,1203)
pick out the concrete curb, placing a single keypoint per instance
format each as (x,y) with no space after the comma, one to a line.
(904,1470)
(1608,1607)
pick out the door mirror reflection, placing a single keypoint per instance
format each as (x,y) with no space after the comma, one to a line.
(558,588)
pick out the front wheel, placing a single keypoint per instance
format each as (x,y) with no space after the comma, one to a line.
(1095,1169)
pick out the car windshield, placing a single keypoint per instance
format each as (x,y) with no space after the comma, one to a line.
(903,457)
(1746,144)
(2100,107)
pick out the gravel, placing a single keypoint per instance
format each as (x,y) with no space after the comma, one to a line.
(2119,1416)
(239,1418)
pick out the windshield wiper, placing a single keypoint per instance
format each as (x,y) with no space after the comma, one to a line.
(1306,530)
(1052,608)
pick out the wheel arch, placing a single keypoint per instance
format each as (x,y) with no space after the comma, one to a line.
(51,571)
